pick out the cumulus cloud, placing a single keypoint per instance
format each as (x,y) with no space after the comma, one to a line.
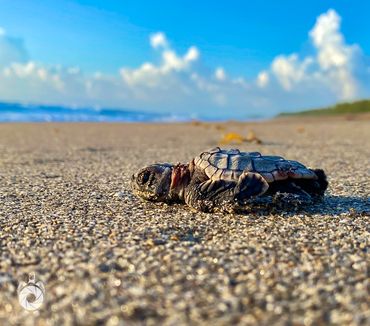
(334,56)
(158,40)
(152,75)
(332,50)
(181,82)
(263,79)
(220,74)
(32,82)
(289,70)
(332,65)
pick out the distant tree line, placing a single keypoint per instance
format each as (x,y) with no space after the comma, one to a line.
(362,106)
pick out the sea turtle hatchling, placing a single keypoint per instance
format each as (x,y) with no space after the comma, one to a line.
(219,178)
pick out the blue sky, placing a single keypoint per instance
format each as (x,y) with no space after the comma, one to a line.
(248,57)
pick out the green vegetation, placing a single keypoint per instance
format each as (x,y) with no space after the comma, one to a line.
(342,108)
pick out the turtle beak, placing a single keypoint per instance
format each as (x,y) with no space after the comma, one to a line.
(153,182)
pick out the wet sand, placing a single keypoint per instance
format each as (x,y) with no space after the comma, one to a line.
(105,257)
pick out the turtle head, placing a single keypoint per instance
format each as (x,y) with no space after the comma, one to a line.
(153,182)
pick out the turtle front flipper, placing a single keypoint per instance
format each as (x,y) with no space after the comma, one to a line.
(210,195)
(225,195)
(250,184)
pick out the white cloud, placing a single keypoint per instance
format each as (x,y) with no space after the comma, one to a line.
(158,40)
(171,61)
(2,31)
(332,66)
(332,52)
(220,74)
(334,56)
(183,83)
(289,70)
(151,75)
(31,81)
(263,79)
(192,54)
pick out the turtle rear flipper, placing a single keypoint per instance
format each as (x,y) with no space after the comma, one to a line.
(290,193)
(322,180)
(315,187)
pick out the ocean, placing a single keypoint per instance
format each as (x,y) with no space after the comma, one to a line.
(33,113)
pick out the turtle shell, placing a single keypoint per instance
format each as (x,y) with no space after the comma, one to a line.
(230,164)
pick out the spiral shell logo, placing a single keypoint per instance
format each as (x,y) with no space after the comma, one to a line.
(31,295)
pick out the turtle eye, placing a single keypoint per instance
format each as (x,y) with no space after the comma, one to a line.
(143,177)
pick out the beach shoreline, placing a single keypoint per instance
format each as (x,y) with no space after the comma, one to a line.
(68,215)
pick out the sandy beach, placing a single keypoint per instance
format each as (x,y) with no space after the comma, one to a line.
(105,257)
